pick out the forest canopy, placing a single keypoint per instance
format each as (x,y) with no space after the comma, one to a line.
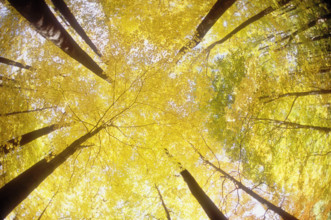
(165,109)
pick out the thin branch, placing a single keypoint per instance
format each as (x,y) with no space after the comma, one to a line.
(50,201)
(163,204)
(27,111)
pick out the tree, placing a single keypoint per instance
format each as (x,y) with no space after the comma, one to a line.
(246,23)
(155,102)
(40,16)
(26,111)
(24,139)
(206,24)
(20,187)
(210,208)
(278,210)
(296,94)
(65,11)
(13,63)
(163,203)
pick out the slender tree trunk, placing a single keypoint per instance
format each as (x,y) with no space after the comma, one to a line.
(65,11)
(28,137)
(206,24)
(15,191)
(245,24)
(285,215)
(291,36)
(13,63)
(163,203)
(295,125)
(206,203)
(297,94)
(41,17)
(26,111)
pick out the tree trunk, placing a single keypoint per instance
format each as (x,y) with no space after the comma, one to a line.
(65,11)
(285,215)
(295,125)
(245,24)
(41,17)
(163,203)
(298,94)
(27,138)
(206,24)
(207,204)
(15,191)
(26,111)
(13,63)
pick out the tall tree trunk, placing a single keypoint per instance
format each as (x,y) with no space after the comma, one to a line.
(206,24)
(26,111)
(297,94)
(15,191)
(206,203)
(41,17)
(163,203)
(278,210)
(245,24)
(28,137)
(295,125)
(65,11)
(13,63)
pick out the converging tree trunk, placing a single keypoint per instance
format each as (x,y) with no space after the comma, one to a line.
(305,27)
(13,63)
(292,125)
(27,138)
(65,11)
(206,24)
(245,24)
(15,191)
(163,203)
(206,203)
(285,215)
(41,17)
(296,94)
(26,111)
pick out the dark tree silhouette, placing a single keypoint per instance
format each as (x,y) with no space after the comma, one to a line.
(278,210)
(206,203)
(163,203)
(206,24)
(293,125)
(24,139)
(246,23)
(61,6)
(296,94)
(13,63)
(41,17)
(15,191)
(26,111)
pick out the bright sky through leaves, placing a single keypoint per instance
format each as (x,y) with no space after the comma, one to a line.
(255,105)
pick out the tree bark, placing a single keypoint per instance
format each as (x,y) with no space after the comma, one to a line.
(206,203)
(297,94)
(285,215)
(28,137)
(206,24)
(15,191)
(13,63)
(163,203)
(65,11)
(26,111)
(41,17)
(295,125)
(245,24)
